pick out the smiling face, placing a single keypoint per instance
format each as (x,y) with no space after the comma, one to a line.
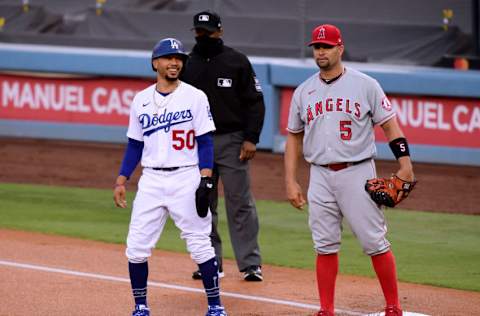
(168,67)
(327,57)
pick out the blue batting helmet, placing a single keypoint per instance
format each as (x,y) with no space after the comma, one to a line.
(169,46)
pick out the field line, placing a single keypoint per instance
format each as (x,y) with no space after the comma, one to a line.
(169,286)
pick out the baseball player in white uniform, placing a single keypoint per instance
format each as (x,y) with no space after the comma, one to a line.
(332,115)
(169,131)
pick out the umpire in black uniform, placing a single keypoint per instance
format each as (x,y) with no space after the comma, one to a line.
(236,100)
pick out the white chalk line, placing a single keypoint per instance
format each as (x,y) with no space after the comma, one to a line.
(171,286)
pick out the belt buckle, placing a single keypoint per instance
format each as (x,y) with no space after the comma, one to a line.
(339,166)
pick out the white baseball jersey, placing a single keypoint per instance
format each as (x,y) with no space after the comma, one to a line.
(168,125)
(338,118)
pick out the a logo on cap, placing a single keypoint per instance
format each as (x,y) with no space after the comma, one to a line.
(321,33)
(204,18)
(224,82)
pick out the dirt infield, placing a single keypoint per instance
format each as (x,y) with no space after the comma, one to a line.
(441,188)
(90,278)
(66,276)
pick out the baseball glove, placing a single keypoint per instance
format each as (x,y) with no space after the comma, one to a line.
(389,191)
(202,196)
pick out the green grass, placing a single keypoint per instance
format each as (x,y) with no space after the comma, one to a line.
(431,248)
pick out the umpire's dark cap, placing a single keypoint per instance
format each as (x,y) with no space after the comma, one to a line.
(207,20)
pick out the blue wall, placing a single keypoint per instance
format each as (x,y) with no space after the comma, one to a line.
(272,73)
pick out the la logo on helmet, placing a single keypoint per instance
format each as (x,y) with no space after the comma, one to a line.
(173,44)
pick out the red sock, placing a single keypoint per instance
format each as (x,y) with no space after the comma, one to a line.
(327,269)
(384,265)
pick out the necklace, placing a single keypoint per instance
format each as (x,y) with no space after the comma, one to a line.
(162,103)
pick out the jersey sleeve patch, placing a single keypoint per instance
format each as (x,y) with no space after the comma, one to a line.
(258,87)
(386,104)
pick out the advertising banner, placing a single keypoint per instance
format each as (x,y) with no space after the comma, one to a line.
(436,121)
(94,100)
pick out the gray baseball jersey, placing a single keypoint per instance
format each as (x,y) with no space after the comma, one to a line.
(337,118)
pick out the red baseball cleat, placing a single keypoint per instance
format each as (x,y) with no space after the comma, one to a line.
(393,311)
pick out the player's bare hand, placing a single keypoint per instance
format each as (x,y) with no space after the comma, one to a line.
(119,194)
(295,195)
(247,151)
(405,174)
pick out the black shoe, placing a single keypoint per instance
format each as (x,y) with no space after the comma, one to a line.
(253,273)
(197,275)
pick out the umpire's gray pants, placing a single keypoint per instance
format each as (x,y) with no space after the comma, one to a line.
(239,202)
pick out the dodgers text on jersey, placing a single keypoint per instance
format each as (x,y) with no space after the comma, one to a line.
(166,121)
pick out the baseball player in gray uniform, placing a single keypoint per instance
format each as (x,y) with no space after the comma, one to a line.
(169,132)
(332,115)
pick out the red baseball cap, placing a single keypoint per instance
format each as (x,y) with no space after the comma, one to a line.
(327,34)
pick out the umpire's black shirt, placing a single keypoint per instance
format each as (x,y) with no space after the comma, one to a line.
(234,93)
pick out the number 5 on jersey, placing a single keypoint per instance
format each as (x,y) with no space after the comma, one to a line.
(345,130)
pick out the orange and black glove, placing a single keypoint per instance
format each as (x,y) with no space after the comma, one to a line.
(389,191)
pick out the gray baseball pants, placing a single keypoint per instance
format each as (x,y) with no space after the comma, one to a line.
(239,202)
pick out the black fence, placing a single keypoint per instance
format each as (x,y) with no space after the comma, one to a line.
(403,31)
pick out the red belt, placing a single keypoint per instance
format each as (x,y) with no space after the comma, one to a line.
(343,165)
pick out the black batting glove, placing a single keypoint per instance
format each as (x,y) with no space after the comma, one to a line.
(202,196)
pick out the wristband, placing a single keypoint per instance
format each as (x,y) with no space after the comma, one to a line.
(399,147)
